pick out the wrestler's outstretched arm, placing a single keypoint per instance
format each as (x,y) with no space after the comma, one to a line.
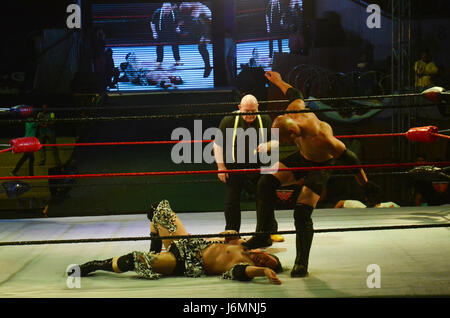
(256,271)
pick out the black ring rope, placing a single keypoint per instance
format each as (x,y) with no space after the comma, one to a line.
(233,103)
(177,237)
(215,114)
(215,180)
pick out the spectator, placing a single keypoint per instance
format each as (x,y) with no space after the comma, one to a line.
(30,131)
(47,134)
(431,193)
(424,69)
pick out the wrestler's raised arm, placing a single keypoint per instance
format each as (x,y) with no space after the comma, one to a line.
(294,96)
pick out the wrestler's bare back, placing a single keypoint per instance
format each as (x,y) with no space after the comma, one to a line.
(316,141)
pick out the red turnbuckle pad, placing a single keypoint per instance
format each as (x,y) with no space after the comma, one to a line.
(433,94)
(422,134)
(25,144)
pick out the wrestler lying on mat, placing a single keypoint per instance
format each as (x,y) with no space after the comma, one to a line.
(191,257)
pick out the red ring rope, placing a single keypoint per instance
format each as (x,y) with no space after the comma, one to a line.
(442,136)
(207,141)
(167,173)
(124,143)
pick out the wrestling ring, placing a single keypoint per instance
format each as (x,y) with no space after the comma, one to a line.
(409,245)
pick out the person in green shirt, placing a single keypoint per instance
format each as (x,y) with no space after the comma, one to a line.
(30,131)
(47,134)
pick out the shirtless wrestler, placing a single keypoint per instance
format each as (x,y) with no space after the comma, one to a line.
(190,257)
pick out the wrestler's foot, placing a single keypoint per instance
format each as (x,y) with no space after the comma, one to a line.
(207,71)
(299,270)
(93,266)
(277,238)
(257,242)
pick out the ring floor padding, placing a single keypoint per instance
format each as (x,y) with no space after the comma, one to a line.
(412,262)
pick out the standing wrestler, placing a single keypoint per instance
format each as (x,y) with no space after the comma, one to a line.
(274,24)
(190,257)
(165,28)
(234,131)
(317,147)
(197,17)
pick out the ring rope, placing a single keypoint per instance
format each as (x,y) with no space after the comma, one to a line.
(261,170)
(215,114)
(156,142)
(441,136)
(127,143)
(233,103)
(212,180)
(215,180)
(177,237)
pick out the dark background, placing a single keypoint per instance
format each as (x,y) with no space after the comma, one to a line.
(23,22)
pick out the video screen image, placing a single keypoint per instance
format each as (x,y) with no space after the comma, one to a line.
(262,28)
(158,45)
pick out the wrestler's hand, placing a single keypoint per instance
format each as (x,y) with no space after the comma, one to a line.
(273,77)
(272,276)
(222,176)
(264,147)
(268,146)
(230,238)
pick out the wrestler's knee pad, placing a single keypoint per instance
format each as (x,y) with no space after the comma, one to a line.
(143,265)
(165,217)
(267,185)
(125,263)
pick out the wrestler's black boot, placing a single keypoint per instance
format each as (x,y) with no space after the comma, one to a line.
(93,266)
(267,185)
(205,56)
(304,237)
(124,263)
